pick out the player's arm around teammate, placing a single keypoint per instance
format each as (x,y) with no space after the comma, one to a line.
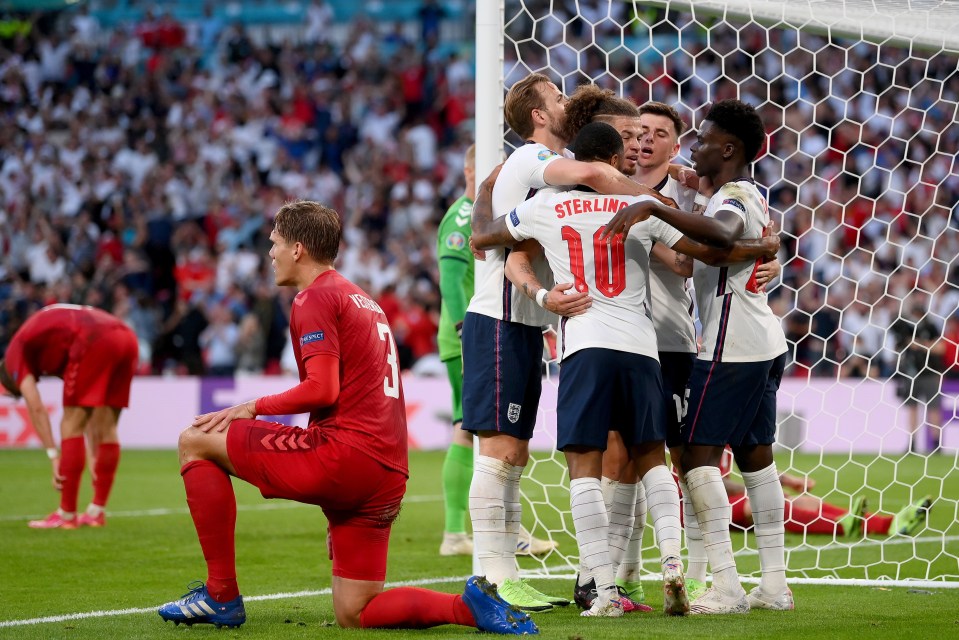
(489,233)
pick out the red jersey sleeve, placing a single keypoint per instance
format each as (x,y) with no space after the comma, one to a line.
(314,325)
(14,361)
(320,389)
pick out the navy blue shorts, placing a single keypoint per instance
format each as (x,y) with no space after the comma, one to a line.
(677,368)
(603,390)
(733,403)
(502,375)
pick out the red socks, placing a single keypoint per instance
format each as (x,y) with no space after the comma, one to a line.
(209,494)
(105,470)
(73,457)
(415,608)
(808,521)
(877,524)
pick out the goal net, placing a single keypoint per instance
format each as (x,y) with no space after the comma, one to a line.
(859,101)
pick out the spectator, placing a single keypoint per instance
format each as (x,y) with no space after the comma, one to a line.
(220,340)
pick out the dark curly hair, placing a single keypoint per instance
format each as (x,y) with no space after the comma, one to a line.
(741,120)
(589,102)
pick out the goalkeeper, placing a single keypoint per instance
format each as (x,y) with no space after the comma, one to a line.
(456,289)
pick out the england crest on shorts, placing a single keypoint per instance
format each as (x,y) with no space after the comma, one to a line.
(512,413)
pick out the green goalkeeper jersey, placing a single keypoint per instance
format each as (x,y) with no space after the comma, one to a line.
(456,274)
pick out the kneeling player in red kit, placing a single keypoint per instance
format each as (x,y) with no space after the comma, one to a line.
(351,460)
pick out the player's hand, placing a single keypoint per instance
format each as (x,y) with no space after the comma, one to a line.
(767,272)
(772,240)
(329,543)
(478,254)
(220,420)
(687,177)
(567,305)
(624,219)
(459,330)
(57,479)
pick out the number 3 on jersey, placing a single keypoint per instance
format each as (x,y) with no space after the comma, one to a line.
(391,383)
(609,262)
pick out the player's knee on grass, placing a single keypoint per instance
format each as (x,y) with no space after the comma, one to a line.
(350,597)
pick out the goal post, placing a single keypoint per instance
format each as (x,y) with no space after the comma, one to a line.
(859,100)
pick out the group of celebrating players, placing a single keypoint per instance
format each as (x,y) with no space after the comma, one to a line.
(617,231)
(617,228)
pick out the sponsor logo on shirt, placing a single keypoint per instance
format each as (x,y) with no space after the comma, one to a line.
(546,154)
(514,218)
(733,202)
(315,336)
(456,241)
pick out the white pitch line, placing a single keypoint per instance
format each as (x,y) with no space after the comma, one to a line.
(844,582)
(267,506)
(270,596)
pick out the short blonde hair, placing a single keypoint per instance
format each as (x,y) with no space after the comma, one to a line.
(469,160)
(521,99)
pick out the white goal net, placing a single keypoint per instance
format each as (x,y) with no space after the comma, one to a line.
(859,99)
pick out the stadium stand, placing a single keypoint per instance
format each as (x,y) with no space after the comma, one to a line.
(148,144)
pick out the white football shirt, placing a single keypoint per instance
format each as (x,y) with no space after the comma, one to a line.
(494,295)
(672,301)
(614,272)
(738,325)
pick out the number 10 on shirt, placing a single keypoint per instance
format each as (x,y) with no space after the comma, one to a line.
(609,261)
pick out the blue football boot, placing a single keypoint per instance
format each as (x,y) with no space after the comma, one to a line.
(492,613)
(199,607)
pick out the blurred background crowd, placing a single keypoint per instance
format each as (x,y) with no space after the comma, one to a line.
(146,146)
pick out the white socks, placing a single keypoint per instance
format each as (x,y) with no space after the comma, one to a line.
(695,549)
(663,498)
(629,567)
(620,499)
(514,513)
(709,499)
(487,500)
(592,533)
(766,499)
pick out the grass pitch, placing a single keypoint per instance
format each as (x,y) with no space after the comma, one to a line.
(105,583)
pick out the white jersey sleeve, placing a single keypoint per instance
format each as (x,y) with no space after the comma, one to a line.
(521,177)
(738,325)
(670,292)
(521,221)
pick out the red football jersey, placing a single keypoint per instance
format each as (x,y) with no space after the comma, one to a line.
(48,341)
(336,317)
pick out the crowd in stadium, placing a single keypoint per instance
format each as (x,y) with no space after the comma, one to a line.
(142,164)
